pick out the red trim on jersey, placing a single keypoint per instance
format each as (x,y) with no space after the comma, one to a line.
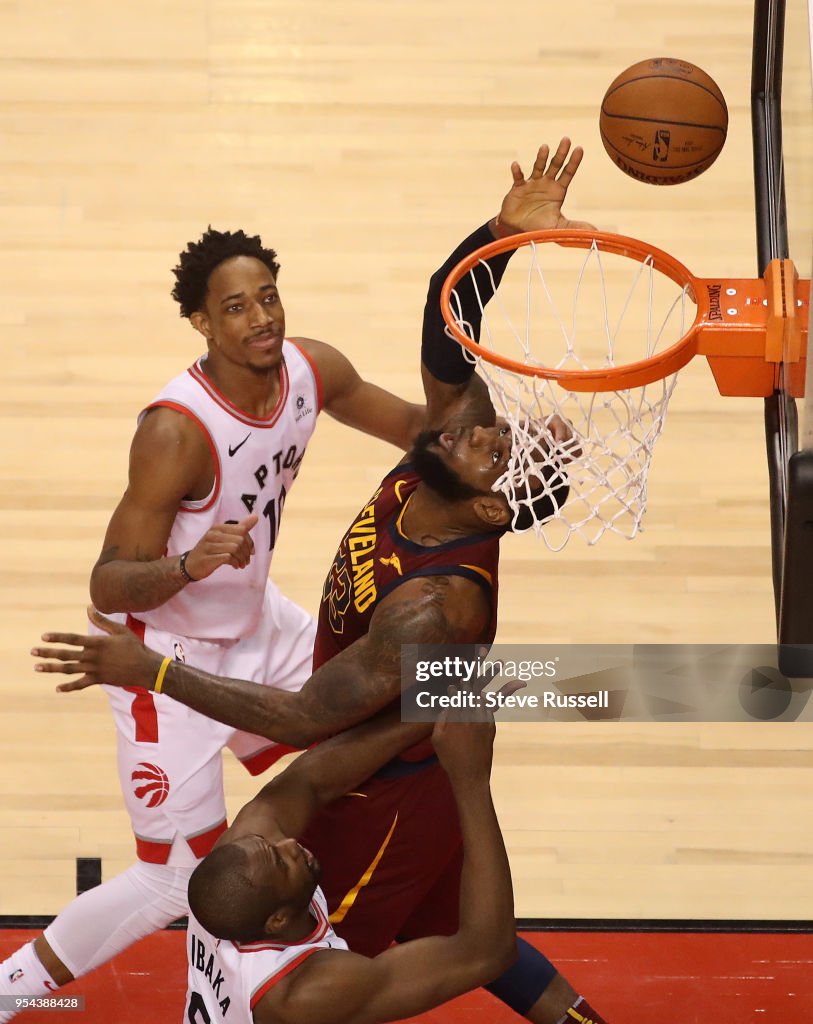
(152,851)
(257,763)
(202,844)
(167,403)
(157,851)
(198,375)
(274,978)
(319,932)
(143,707)
(317,377)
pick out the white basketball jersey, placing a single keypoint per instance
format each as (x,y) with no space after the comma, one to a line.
(226,980)
(256,462)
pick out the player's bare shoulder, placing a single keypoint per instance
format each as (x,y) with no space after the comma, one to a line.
(334,368)
(168,441)
(432,609)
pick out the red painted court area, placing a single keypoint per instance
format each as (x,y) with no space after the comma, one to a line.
(631,977)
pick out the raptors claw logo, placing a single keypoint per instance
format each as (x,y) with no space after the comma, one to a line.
(150,783)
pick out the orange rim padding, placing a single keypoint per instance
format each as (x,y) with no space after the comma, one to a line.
(753,331)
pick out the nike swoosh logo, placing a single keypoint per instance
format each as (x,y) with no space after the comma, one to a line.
(236,449)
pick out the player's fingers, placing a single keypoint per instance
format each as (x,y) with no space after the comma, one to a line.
(511,687)
(571,166)
(74,639)
(108,625)
(540,162)
(558,158)
(66,668)
(249,522)
(516,174)
(76,684)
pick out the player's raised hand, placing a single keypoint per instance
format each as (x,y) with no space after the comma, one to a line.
(464,742)
(119,659)
(535,203)
(222,544)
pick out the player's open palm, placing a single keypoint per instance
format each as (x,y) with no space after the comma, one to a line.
(535,203)
(222,544)
(118,658)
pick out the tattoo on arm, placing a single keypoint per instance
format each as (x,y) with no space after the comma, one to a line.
(136,584)
(351,687)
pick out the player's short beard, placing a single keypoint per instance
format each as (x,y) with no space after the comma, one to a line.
(433,471)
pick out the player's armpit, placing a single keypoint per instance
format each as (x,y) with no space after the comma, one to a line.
(360,404)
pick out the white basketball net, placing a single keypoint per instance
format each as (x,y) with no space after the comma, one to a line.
(620,311)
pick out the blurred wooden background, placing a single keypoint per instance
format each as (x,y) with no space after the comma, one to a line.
(363,140)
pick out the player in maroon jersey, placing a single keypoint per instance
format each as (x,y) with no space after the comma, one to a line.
(418,565)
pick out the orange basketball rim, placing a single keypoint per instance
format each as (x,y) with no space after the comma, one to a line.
(753,331)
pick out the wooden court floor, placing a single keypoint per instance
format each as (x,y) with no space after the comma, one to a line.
(363,140)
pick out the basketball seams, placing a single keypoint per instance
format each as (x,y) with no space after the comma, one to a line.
(672,78)
(701,165)
(664,121)
(678,132)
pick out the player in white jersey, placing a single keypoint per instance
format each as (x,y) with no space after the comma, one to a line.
(260,947)
(185,562)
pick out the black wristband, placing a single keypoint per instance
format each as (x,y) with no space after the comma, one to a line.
(184,570)
(441,355)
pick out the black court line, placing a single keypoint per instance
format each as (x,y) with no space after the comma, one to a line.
(554,924)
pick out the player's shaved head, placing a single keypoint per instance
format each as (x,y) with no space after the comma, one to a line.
(226,899)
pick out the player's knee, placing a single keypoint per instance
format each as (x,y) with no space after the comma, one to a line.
(522,983)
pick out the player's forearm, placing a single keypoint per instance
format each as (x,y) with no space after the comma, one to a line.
(441,355)
(338,765)
(328,771)
(340,694)
(119,585)
(486,892)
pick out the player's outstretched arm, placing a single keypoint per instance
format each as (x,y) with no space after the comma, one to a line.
(323,774)
(415,976)
(355,684)
(532,204)
(358,403)
(169,460)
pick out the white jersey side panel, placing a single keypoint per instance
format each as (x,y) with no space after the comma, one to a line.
(225,980)
(256,462)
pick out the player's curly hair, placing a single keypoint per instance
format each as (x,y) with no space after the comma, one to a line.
(199,259)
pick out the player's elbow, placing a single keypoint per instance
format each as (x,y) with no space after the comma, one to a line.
(100,596)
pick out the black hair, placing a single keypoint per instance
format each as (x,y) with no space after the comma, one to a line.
(225,900)
(199,259)
(434,472)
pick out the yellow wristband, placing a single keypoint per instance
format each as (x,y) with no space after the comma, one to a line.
(162,671)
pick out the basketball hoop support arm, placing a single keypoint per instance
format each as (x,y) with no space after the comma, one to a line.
(753,329)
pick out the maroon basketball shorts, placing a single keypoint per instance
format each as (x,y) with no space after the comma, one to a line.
(391,855)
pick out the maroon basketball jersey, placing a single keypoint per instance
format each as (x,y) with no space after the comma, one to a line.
(375,557)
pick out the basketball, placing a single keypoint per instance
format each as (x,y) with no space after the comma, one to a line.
(663,121)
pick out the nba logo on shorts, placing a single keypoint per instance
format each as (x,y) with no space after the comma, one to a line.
(177,652)
(16,975)
(150,784)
